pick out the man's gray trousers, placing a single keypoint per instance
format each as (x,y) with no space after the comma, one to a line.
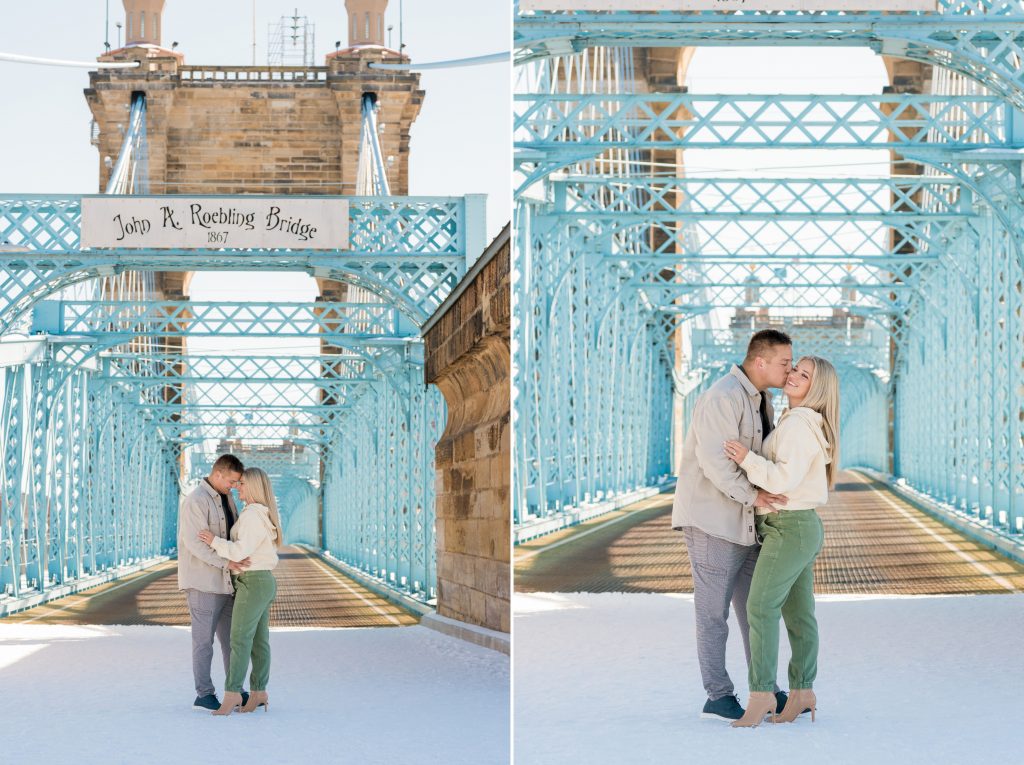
(211,615)
(722,571)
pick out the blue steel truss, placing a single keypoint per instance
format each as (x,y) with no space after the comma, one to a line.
(107,417)
(982,41)
(634,291)
(408,250)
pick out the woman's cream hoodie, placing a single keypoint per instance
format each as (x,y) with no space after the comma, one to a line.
(252,536)
(795,455)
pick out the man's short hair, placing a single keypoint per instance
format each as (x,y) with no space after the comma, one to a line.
(228,463)
(762,342)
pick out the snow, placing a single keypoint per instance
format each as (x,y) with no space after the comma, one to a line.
(74,694)
(613,678)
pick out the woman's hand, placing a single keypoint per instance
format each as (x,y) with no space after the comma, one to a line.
(206,536)
(736,451)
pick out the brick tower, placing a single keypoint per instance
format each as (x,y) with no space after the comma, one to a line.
(259,130)
(244,129)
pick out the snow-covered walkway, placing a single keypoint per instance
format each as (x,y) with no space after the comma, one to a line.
(394,696)
(612,679)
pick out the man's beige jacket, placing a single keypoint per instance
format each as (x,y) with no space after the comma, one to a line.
(199,567)
(713,493)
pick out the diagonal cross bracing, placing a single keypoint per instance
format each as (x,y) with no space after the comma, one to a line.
(980,41)
(369,322)
(410,250)
(571,122)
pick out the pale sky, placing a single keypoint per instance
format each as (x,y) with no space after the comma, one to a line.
(460,142)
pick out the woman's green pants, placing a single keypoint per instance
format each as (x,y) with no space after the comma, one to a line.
(250,630)
(783,586)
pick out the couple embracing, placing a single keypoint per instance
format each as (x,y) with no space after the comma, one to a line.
(225,565)
(746,502)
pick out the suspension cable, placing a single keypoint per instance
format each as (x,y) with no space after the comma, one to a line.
(18,59)
(490,58)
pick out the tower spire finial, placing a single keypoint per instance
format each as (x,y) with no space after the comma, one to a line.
(366,21)
(142,22)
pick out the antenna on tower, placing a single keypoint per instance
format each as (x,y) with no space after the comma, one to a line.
(291,41)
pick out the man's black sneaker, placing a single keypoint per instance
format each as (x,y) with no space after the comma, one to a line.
(725,708)
(209,701)
(781,698)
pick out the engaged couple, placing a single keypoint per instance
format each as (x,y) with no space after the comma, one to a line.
(225,564)
(746,502)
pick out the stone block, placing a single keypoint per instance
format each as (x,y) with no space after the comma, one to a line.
(455,599)
(445,566)
(481,474)
(496,613)
(503,576)
(496,462)
(477,607)
(456,537)
(465,448)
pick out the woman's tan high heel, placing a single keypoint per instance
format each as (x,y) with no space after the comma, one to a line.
(799,700)
(758,705)
(257,699)
(231,700)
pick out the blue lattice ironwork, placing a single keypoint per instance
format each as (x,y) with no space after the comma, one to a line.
(107,416)
(982,41)
(633,291)
(409,250)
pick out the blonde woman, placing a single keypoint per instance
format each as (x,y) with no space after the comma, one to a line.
(800,461)
(256,535)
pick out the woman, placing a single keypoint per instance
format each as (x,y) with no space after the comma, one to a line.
(256,535)
(800,459)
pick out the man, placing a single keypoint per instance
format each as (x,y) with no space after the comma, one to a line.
(714,506)
(205,576)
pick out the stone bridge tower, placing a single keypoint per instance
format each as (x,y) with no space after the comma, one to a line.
(245,129)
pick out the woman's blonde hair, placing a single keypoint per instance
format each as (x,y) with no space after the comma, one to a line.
(823,398)
(257,485)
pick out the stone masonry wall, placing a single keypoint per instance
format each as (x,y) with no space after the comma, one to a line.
(467,357)
(237,130)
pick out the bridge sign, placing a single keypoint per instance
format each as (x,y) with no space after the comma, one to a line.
(192,223)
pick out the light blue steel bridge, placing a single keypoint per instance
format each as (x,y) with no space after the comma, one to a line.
(107,416)
(635,286)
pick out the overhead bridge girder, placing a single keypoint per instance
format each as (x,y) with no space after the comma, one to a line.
(663,198)
(240,394)
(573,122)
(368,323)
(321,369)
(409,250)
(984,43)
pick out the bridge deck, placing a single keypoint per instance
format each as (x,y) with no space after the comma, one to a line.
(309,594)
(875,543)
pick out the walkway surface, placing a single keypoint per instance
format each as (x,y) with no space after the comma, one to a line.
(309,594)
(875,543)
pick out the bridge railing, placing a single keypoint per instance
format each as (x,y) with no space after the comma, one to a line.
(246,74)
